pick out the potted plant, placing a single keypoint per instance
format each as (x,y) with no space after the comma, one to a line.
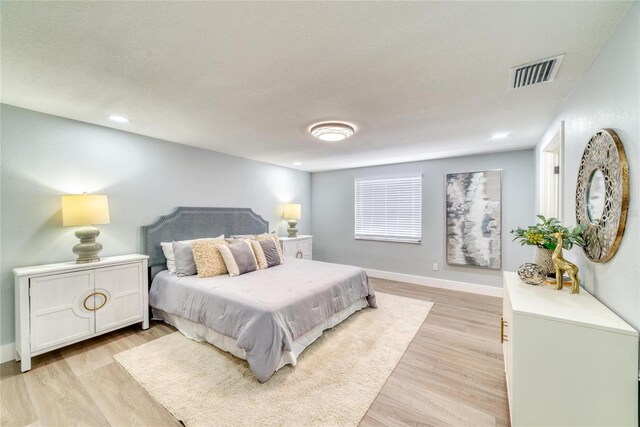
(540,235)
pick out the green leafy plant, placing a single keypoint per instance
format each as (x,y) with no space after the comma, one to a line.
(540,235)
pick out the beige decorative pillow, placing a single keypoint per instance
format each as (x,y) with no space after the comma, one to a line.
(259,253)
(206,254)
(273,237)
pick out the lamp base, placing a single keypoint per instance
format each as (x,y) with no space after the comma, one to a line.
(293,231)
(87,250)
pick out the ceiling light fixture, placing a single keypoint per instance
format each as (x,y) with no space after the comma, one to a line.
(501,135)
(297,163)
(332,132)
(119,119)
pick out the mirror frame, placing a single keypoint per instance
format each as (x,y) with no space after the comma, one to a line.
(604,151)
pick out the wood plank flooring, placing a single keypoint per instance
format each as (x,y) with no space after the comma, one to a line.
(451,374)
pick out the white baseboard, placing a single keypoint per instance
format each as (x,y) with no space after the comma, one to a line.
(437,283)
(7,352)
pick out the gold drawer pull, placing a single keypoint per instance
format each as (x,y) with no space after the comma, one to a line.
(84,303)
(299,255)
(503,324)
(105,300)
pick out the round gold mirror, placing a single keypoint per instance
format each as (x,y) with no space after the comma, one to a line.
(602,195)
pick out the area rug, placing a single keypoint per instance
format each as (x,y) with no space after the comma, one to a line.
(334,383)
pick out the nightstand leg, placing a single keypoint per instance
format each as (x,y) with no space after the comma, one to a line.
(25,364)
(145,321)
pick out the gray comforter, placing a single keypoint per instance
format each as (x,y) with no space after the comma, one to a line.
(265,310)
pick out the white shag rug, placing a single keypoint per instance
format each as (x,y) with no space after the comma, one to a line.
(333,384)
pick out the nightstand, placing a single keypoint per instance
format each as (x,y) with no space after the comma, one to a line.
(61,304)
(297,247)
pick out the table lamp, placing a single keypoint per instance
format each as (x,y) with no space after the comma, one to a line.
(86,210)
(292,213)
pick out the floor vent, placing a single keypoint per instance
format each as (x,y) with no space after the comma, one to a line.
(535,73)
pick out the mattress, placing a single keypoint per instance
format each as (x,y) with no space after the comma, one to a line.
(267,311)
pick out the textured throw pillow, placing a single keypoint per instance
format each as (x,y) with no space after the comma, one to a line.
(183,259)
(270,252)
(259,253)
(207,257)
(272,236)
(238,257)
(167,249)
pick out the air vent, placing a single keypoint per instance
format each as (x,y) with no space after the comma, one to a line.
(535,73)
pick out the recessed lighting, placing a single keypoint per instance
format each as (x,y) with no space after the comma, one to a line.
(500,135)
(119,119)
(332,132)
(297,163)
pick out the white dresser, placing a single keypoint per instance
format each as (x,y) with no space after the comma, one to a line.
(60,304)
(297,247)
(570,361)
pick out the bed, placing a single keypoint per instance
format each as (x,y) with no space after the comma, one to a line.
(267,317)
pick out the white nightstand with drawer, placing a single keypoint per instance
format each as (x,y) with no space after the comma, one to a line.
(297,247)
(60,304)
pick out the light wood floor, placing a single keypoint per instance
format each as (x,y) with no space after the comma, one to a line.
(451,374)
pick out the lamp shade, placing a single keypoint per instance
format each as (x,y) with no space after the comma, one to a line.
(292,211)
(85,209)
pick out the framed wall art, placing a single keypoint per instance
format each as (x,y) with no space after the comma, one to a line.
(474,219)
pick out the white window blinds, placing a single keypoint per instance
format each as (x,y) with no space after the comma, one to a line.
(389,209)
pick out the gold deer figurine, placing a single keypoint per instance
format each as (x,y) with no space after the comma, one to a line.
(563,265)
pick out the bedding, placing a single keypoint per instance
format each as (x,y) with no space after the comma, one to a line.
(238,257)
(206,254)
(265,311)
(167,250)
(259,253)
(270,251)
(183,255)
(274,238)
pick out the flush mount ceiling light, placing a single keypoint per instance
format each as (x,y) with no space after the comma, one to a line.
(332,131)
(118,119)
(500,135)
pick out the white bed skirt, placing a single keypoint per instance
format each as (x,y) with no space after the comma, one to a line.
(199,333)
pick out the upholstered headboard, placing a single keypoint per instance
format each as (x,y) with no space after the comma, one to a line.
(186,223)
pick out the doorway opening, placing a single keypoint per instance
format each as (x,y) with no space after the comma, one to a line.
(551,175)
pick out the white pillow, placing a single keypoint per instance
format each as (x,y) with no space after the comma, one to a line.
(167,248)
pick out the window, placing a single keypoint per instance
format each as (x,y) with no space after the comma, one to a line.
(389,209)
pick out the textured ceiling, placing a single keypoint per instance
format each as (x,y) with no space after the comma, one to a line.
(419,80)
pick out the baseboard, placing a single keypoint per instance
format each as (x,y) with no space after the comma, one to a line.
(7,352)
(437,283)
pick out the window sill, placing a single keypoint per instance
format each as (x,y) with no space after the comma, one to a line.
(381,239)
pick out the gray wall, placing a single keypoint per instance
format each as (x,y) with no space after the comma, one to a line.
(45,156)
(608,96)
(332,204)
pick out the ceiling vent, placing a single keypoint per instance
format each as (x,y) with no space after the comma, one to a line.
(535,73)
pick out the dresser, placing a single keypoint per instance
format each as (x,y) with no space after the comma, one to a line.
(60,304)
(569,360)
(297,247)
